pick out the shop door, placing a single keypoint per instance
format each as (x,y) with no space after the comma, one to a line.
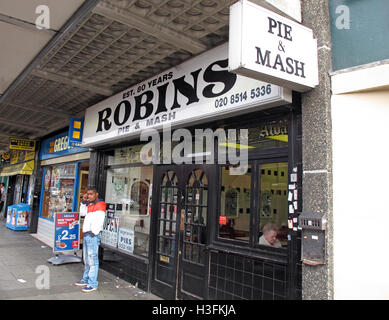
(21,189)
(182,216)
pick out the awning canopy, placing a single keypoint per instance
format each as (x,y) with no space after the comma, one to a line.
(20,168)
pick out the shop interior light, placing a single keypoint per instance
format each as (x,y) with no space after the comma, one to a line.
(281,137)
(235,145)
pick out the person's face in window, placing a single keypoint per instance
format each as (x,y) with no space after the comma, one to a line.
(271,236)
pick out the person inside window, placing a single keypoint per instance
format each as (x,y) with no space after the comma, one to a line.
(269,236)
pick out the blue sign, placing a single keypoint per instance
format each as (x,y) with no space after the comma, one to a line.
(76,127)
(66,231)
(58,146)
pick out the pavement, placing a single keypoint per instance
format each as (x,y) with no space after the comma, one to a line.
(25,274)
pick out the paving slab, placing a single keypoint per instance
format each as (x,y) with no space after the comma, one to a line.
(25,274)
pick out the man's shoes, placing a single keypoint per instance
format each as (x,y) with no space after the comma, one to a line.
(81,283)
(88,289)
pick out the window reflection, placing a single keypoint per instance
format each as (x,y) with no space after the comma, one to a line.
(129,192)
(234,219)
(58,190)
(272,134)
(271,208)
(273,214)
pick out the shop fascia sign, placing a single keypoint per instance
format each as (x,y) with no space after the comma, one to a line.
(196,91)
(269,47)
(57,146)
(22,144)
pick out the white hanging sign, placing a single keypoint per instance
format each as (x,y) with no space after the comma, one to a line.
(269,47)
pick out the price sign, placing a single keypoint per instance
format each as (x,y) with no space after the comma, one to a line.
(223,220)
(66,231)
(126,240)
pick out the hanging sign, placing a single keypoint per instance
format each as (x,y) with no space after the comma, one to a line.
(76,128)
(66,231)
(5,156)
(198,90)
(267,46)
(22,144)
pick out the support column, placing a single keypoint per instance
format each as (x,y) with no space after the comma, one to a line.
(317,281)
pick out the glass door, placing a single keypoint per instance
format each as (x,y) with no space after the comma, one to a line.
(180,257)
(193,251)
(167,222)
(18,189)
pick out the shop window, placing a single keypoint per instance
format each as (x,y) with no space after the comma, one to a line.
(129,155)
(253,206)
(273,212)
(21,189)
(234,219)
(58,192)
(268,135)
(83,181)
(128,197)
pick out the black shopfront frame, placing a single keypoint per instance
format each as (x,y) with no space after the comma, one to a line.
(277,271)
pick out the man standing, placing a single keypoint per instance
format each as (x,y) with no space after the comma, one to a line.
(93,225)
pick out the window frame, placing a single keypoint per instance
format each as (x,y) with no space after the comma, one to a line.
(75,185)
(256,220)
(107,167)
(251,247)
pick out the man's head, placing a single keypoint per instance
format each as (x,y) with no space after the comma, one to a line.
(92,193)
(270,233)
(1,184)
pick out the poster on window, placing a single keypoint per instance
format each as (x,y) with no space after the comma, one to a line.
(109,235)
(47,178)
(126,240)
(119,190)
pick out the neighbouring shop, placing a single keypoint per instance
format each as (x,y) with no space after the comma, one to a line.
(191,230)
(64,180)
(17,175)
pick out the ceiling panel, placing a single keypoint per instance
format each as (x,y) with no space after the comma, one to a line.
(118,44)
(19,47)
(60,10)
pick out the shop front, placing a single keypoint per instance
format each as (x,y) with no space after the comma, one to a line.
(195,165)
(64,180)
(18,177)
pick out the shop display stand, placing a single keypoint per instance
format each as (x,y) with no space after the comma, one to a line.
(64,258)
